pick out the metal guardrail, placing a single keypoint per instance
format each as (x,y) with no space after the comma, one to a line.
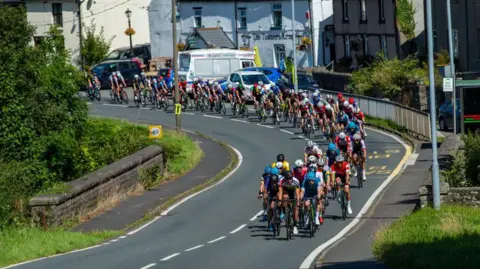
(416,121)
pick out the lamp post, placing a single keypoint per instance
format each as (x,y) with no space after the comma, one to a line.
(129,14)
(294,43)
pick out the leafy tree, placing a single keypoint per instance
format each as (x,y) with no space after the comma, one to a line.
(95,46)
(406,18)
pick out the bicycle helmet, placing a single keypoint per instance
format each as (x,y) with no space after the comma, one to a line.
(312,168)
(310,176)
(289,175)
(332,146)
(143,74)
(321,162)
(274,171)
(351,125)
(199,78)
(195,79)
(229,86)
(312,159)
(345,104)
(351,100)
(341,113)
(273,177)
(273,84)
(328,107)
(280,157)
(329,96)
(339,95)
(210,82)
(356,136)
(160,78)
(267,169)
(320,105)
(342,135)
(298,163)
(310,143)
(136,76)
(260,83)
(216,83)
(339,158)
(315,94)
(119,74)
(279,165)
(114,73)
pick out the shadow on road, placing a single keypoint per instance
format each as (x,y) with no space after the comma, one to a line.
(368,264)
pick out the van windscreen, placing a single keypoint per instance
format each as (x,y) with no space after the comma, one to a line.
(184,62)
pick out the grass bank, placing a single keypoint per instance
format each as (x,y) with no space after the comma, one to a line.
(429,239)
(26,243)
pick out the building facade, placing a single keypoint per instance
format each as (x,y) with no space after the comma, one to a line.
(365,27)
(248,23)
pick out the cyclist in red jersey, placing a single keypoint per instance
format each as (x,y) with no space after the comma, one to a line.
(299,171)
(340,172)
(344,144)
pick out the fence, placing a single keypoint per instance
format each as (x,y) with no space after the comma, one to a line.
(416,121)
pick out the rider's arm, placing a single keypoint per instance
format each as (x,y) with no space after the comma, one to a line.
(262,185)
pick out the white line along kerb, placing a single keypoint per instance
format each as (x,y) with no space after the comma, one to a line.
(238,229)
(216,240)
(190,249)
(311,257)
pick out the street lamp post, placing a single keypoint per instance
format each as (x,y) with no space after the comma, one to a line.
(294,43)
(129,14)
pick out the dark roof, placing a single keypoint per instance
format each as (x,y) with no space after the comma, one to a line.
(215,36)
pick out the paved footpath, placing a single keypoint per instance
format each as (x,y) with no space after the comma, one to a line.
(355,249)
(216,158)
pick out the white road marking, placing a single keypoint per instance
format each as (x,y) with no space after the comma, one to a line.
(240,160)
(311,257)
(218,239)
(302,137)
(188,113)
(210,116)
(188,131)
(256,215)
(412,159)
(89,103)
(199,246)
(117,105)
(266,126)
(240,121)
(143,226)
(169,257)
(123,236)
(285,131)
(238,229)
(106,243)
(148,266)
(145,108)
(114,240)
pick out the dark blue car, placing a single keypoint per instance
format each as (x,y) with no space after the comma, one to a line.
(273,74)
(445,115)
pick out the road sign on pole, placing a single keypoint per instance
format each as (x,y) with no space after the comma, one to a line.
(155,131)
(178,109)
(448,84)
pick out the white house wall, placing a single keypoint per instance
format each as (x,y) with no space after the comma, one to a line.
(322,15)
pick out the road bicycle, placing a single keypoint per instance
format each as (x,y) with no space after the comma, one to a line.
(342,198)
(289,215)
(94,92)
(274,220)
(310,216)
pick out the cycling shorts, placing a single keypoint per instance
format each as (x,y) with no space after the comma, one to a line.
(343,178)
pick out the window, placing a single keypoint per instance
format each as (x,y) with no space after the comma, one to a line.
(365,45)
(478,43)
(37,40)
(279,53)
(455,43)
(235,78)
(363,11)
(252,79)
(383,45)
(57,14)
(347,46)
(197,16)
(124,66)
(277,15)
(345,10)
(184,62)
(243,18)
(246,64)
(381,7)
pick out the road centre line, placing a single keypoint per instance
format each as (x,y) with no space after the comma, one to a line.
(256,215)
(210,116)
(216,240)
(266,126)
(117,105)
(285,131)
(188,113)
(148,266)
(238,229)
(240,121)
(169,257)
(189,249)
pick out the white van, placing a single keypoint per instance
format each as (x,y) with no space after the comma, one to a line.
(212,63)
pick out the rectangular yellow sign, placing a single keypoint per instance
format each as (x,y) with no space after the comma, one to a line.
(155,131)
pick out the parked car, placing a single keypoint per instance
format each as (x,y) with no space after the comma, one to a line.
(445,115)
(273,74)
(141,51)
(248,79)
(128,68)
(305,82)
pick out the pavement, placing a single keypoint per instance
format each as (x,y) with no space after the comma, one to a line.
(216,158)
(221,227)
(400,199)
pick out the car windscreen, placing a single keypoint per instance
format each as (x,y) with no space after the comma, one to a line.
(252,79)
(305,79)
(114,55)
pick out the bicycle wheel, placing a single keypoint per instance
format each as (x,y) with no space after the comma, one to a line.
(301,219)
(288,223)
(223,108)
(359,178)
(97,94)
(245,111)
(124,96)
(311,220)
(273,221)
(343,204)
(118,98)
(165,103)
(90,94)
(136,99)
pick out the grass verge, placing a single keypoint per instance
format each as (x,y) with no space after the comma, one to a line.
(429,239)
(26,243)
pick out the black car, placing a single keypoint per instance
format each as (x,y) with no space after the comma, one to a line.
(305,82)
(127,68)
(142,52)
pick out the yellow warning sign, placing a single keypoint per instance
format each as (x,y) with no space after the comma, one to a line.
(155,131)
(178,109)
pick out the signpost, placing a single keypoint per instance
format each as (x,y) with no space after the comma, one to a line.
(448,84)
(178,109)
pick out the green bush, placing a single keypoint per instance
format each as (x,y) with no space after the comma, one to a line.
(472,157)
(406,18)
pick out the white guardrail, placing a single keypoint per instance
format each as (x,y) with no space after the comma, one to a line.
(416,121)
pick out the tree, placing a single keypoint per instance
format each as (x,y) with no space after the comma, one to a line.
(95,46)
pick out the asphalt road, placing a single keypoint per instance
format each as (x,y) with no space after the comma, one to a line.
(217,229)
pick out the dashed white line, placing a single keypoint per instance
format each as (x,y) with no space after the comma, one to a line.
(114,105)
(240,121)
(215,240)
(169,257)
(188,113)
(238,229)
(266,126)
(145,108)
(114,240)
(148,266)
(199,246)
(285,131)
(210,116)
(256,215)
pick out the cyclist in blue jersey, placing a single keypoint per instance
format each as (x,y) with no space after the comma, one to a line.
(342,119)
(332,153)
(311,189)
(264,181)
(352,129)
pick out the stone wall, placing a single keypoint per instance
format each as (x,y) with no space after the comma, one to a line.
(332,81)
(85,193)
(464,196)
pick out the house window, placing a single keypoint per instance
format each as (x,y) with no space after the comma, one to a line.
(243,18)
(383,45)
(365,45)
(197,16)
(381,7)
(345,10)
(279,53)
(277,15)
(478,43)
(455,43)
(57,14)
(363,11)
(347,46)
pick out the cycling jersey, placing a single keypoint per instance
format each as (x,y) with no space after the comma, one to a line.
(273,186)
(358,147)
(310,188)
(343,144)
(290,188)
(343,119)
(331,155)
(276,90)
(300,173)
(285,167)
(313,151)
(340,170)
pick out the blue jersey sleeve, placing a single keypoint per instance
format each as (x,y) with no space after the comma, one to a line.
(303,182)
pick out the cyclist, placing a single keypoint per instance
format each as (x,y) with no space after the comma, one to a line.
(331,154)
(359,151)
(263,189)
(359,118)
(340,172)
(312,150)
(281,164)
(312,161)
(311,190)
(352,129)
(273,188)
(136,87)
(342,119)
(343,143)
(290,189)
(239,94)
(326,183)
(92,79)
(299,170)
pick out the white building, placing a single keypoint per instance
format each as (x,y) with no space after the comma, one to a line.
(267,24)
(104,13)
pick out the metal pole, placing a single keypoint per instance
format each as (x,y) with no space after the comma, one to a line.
(294,75)
(433,117)
(131,46)
(80,35)
(175,62)
(452,64)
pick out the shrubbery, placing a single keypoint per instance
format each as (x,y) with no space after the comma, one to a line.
(463,171)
